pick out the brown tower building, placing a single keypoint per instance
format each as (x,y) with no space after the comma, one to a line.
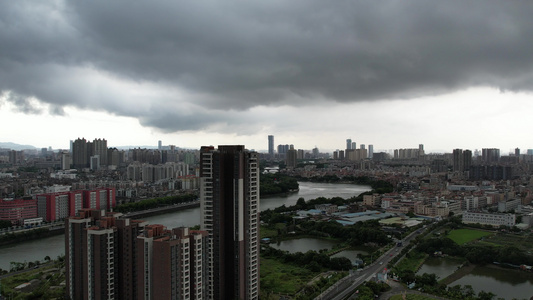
(172,263)
(229,197)
(100,256)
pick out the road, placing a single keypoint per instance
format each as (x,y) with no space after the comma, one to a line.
(349,284)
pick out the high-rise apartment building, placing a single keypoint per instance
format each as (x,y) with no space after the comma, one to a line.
(82,151)
(271,146)
(171,263)
(370,151)
(100,149)
(490,155)
(462,160)
(291,158)
(229,199)
(110,257)
(100,256)
(79,153)
(348,144)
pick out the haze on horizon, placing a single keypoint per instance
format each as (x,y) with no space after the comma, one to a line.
(395,74)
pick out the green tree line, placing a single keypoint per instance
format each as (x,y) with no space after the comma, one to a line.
(476,253)
(154,203)
(272,184)
(312,260)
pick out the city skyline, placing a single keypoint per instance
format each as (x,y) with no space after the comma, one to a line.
(309,73)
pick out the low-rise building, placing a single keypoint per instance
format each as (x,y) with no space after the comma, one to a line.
(493,219)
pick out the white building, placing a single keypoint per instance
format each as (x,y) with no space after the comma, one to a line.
(496,219)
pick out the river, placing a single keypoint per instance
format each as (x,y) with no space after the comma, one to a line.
(55,246)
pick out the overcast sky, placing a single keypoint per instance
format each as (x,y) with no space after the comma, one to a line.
(395,74)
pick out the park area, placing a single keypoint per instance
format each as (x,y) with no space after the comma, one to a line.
(463,236)
(282,278)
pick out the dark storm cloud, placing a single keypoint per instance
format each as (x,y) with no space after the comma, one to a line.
(240,54)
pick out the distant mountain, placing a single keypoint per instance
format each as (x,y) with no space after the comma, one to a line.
(17,147)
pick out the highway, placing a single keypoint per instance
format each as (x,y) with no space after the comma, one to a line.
(348,285)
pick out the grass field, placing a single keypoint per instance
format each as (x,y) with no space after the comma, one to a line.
(523,241)
(410,297)
(267,232)
(463,236)
(283,278)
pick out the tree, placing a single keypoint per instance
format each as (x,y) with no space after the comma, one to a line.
(313,267)
(482,295)
(5,224)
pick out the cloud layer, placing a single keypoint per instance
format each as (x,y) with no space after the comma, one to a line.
(191,65)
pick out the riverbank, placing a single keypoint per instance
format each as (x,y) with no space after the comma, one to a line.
(39,233)
(286,194)
(161,210)
(29,235)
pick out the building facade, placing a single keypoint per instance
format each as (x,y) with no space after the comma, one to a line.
(229,197)
(489,218)
(172,263)
(17,210)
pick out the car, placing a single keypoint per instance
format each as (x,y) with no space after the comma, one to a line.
(380,262)
(390,255)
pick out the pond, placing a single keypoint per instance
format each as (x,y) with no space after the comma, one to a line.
(304,245)
(440,266)
(352,253)
(504,283)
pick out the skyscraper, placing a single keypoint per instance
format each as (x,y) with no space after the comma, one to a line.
(79,153)
(348,144)
(370,151)
(229,199)
(271,146)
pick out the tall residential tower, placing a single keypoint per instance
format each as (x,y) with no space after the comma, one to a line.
(229,197)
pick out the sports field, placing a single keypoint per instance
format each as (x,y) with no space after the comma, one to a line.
(463,236)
